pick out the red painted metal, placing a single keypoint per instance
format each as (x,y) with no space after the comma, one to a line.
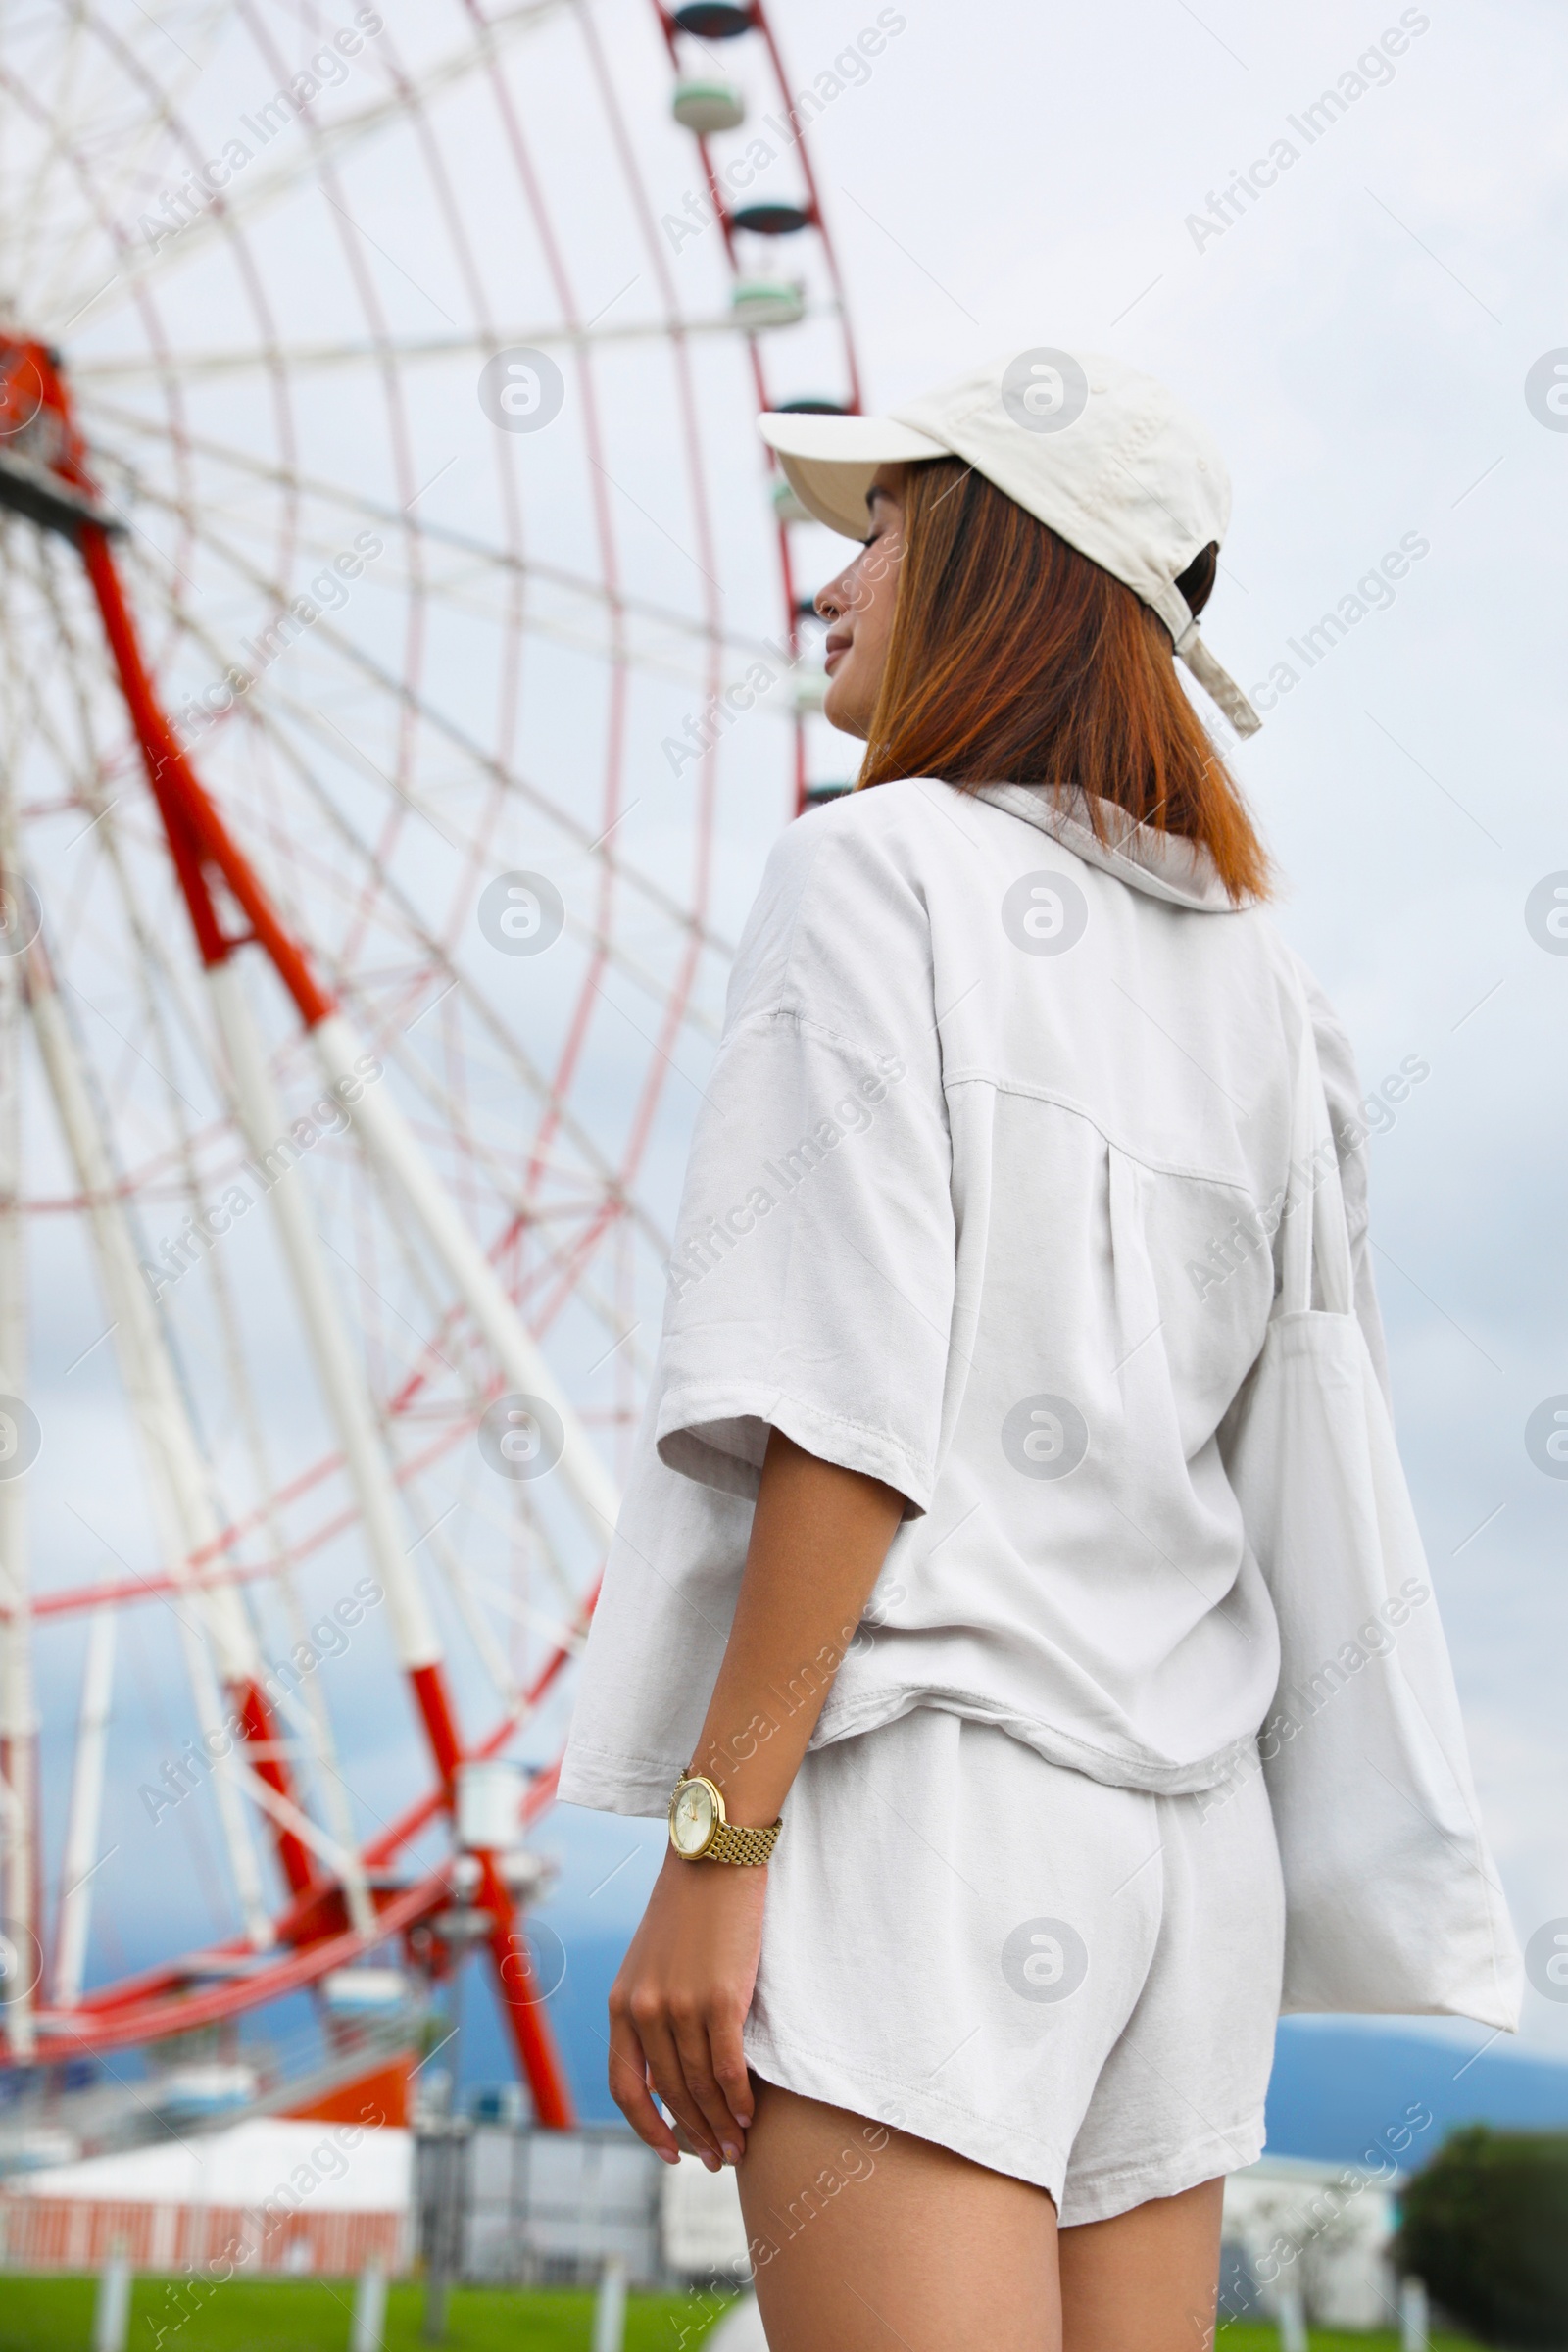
(435,1713)
(261,1730)
(523,2002)
(122,2024)
(408,1825)
(195,830)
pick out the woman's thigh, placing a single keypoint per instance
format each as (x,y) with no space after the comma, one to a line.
(1146,2278)
(863,2239)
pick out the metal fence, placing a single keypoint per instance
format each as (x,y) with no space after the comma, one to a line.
(522,2207)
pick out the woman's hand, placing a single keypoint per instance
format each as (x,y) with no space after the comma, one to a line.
(677,2007)
(820,1533)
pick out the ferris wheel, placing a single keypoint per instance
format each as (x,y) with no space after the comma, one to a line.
(380,517)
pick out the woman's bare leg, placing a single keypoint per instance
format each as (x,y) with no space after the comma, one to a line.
(1147,2277)
(866,2241)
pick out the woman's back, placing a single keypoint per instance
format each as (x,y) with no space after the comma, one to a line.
(982,1205)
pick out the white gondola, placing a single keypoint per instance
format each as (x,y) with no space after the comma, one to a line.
(707,107)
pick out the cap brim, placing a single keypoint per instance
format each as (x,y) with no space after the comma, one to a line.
(831,462)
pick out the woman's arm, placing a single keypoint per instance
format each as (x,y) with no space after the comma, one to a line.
(676,2009)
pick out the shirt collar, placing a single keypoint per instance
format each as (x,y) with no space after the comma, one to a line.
(1164,865)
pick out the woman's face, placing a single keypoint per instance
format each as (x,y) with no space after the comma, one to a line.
(858,605)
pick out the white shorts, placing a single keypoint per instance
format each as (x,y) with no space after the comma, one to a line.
(1074,1984)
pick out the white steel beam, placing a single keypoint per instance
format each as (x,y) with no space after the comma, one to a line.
(338,1370)
(398,1152)
(18,1724)
(186,1521)
(86,1809)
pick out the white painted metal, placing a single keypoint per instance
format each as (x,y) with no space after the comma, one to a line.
(370,2310)
(306,1712)
(19,1727)
(288,1816)
(398,1152)
(310,1720)
(1414,2317)
(86,1809)
(110,2316)
(1291,2315)
(490,1805)
(492,1656)
(337,1368)
(610,2306)
(186,1521)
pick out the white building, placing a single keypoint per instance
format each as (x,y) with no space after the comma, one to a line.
(267,2194)
(1324,2229)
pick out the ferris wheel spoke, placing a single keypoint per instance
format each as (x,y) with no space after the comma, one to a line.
(28,209)
(178,1475)
(177,1483)
(411,350)
(315,1721)
(602,945)
(340,1860)
(477,1499)
(258,194)
(492,1657)
(339,1376)
(711,628)
(528,1212)
(126,160)
(314,1726)
(555,1631)
(453,975)
(562,1193)
(79,1861)
(410,701)
(312,1720)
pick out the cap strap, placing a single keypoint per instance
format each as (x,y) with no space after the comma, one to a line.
(1217,684)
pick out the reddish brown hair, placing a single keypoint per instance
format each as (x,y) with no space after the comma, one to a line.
(1015,659)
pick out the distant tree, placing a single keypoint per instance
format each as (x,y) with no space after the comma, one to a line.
(1486,2225)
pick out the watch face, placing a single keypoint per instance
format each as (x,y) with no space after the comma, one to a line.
(691,1818)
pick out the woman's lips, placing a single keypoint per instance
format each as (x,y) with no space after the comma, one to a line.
(833,651)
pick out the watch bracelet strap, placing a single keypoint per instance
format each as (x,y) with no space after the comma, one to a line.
(732,1843)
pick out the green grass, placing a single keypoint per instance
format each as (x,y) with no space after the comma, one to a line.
(55,2315)
(1237,2338)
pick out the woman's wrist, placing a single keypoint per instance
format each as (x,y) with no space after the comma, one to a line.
(753,1801)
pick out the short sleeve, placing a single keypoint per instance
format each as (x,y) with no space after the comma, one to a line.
(811,1283)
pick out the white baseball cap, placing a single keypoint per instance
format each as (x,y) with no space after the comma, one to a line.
(1103,453)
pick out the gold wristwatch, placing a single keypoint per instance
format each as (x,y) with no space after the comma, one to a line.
(700,1832)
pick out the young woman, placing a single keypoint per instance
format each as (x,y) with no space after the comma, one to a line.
(931,1595)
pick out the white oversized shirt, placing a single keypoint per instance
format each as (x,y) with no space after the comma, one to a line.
(982,1205)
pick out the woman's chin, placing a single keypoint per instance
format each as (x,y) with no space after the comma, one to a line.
(840,710)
